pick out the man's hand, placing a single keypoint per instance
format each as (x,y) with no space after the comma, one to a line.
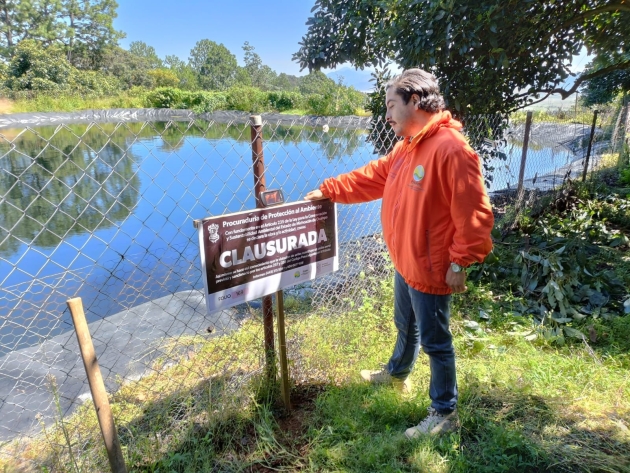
(456,281)
(314,195)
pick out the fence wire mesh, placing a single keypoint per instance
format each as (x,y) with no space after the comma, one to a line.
(104,211)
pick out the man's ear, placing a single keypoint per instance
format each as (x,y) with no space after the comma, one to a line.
(415,100)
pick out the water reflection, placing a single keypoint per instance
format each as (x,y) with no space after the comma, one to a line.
(54,185)
(335,143)
(56,182)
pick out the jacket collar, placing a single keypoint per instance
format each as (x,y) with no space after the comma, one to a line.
(439,120)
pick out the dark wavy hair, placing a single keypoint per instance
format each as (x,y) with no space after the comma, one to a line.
(422,83)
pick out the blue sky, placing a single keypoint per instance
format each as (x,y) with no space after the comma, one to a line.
(273,27)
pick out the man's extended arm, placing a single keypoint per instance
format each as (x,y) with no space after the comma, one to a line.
(361,185)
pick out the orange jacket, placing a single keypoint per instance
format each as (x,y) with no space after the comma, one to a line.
(435,207)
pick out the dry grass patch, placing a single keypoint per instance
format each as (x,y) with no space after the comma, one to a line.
(6,106)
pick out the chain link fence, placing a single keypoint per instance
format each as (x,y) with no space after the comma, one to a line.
(101,206)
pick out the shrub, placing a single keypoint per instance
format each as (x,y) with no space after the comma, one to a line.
(318,104)
(164,77)
(92,83)
(166,97)
(4,70)
(34,67)
(339,101)
(205,102)
(283,100)
(199,101)
(247,99)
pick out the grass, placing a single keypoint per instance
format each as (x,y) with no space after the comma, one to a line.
(524,406)
(526,403)
(302,112)
(70,104)
(47,103)
(568,116)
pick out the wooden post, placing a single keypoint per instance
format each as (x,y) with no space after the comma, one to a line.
(282,342)
(97,387)
(590,145)
(521,174)
(258,162)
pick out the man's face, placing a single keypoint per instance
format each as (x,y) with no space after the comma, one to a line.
(400,115)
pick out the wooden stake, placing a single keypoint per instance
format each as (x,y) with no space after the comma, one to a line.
(97,387)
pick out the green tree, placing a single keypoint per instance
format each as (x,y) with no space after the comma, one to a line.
(16,23)
(35,67)
(215,65)
(83,27)
(316,82)
(87,30)
(262,76)
(490,55)
(128,68)
(45,68)
(604,88)
(143,50)
(186,75)
(286,82)
(163,77)
(243,77)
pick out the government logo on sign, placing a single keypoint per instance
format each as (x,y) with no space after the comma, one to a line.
(213,230)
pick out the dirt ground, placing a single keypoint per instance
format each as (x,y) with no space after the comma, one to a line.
(5,106)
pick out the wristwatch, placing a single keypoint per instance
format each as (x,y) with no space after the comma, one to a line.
(456,268)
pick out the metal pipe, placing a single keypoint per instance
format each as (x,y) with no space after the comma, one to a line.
(590,145)
(521,174)
(282,348)
(258,164)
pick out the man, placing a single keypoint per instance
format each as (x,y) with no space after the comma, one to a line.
(436,219)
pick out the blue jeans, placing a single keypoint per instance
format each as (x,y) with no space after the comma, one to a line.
(422,320)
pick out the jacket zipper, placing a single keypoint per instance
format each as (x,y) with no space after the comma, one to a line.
(429,251)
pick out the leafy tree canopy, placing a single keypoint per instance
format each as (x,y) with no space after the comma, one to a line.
(143,50)
(316,83)
(129,69)
(604,88)
(34,67)
(489,55)
(215,65)
(186,75)
(83,27)
(262,76)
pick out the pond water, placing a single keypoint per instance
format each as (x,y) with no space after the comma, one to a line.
(540,161)
(105,211)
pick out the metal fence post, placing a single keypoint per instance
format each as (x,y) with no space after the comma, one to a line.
(97,387)
(258,163)
(282,349)
(521,174)
(590,145)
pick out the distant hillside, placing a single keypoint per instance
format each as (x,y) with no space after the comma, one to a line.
(555,101)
